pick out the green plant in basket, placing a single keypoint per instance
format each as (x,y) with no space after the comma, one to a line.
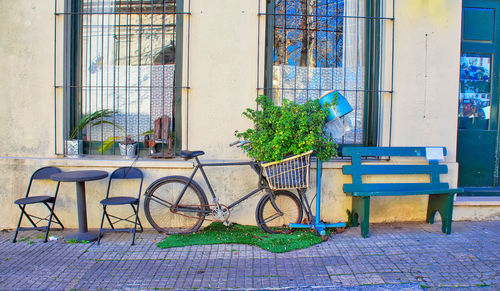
(289,129)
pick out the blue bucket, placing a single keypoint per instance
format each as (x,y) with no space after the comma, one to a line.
(342,108)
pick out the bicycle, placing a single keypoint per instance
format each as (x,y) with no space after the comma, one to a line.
(178,205)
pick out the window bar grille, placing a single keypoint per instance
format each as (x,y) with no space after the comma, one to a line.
(322,28)
(356,74)
(88,76)
(102,71)
(111,37)
(151,69)
(139,48)
(163,70)
(187,76)
(392,74)
(56,85)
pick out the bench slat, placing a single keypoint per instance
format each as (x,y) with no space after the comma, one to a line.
(407,193)
(387,187)
(393,169)
(440,194)
(385,151)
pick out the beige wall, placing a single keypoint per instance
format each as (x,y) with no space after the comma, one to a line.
(224,43)
(26,78)
(223,64)
(226,182)
(426,73)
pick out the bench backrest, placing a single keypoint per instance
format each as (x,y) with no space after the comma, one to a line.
(357,169)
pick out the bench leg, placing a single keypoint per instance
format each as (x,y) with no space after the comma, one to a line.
(361,211)
(442,203)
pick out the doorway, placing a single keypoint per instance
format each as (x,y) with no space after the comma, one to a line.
(478,116)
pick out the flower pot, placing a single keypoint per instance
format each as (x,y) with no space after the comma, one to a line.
(128,150)
(74,148)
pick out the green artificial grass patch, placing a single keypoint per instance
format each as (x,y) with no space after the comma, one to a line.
(218,233)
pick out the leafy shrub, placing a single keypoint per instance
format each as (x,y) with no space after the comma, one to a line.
(290,129)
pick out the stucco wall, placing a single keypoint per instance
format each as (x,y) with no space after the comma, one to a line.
(225,182)
(26,78)
(426,73)
(224,35)
(223,64)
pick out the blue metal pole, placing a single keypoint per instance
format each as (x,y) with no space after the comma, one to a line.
(317,224)
(318,190)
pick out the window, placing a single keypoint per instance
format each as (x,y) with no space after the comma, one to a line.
(123,56)
(314,46)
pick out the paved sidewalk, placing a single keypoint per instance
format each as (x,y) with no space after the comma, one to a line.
(399,256)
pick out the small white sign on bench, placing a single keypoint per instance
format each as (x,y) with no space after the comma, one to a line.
(434,154)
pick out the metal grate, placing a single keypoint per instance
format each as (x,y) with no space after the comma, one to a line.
(314,46)
(123,56)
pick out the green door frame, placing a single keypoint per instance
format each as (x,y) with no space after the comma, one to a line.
(481,45)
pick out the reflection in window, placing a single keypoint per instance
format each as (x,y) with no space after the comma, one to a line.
(319,46)
(127,65)
(475,97)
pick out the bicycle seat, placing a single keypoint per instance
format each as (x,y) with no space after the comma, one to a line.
(187,155)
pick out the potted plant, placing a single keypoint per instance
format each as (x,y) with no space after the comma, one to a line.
(74,145)
(128,147)
(289,132)
(127,144)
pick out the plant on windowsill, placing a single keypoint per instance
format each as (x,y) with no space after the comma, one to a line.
(128,147)
(288,130)
(127,144)
(74,145)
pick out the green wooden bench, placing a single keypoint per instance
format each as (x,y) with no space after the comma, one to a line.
(440,194)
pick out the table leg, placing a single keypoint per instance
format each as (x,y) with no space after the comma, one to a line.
(82,207)
(83,233)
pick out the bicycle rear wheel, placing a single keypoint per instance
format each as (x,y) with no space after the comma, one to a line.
(276,217)
(159,201)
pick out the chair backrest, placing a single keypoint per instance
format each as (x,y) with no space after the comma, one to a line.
(44,173)
(357,169)
(126,173)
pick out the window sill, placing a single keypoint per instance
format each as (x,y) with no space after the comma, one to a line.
(108,161)
(477,201)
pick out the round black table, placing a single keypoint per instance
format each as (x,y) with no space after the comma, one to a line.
(80,177)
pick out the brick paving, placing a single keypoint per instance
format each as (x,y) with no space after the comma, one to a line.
(397,256)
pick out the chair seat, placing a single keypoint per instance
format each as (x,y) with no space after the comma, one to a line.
(120,200)
(34,199)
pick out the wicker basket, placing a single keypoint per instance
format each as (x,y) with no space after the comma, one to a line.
(290,173)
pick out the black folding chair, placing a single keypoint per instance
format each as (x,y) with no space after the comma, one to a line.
(122,173)
(49,201)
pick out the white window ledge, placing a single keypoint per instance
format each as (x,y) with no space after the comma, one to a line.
(477,201)
(107,161)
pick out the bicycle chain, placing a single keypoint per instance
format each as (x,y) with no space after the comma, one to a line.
(211,206)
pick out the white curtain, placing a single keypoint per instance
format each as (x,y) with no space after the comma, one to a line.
(300,83)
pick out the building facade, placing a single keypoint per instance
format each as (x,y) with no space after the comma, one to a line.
(417,73)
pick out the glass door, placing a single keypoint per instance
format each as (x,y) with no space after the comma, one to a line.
(477,136)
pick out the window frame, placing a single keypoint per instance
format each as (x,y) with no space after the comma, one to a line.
(72,68)
(372,80)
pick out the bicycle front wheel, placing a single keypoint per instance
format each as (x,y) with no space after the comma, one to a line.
(161,213)
(277,210)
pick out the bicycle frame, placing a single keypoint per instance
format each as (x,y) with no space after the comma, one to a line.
(262,184)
